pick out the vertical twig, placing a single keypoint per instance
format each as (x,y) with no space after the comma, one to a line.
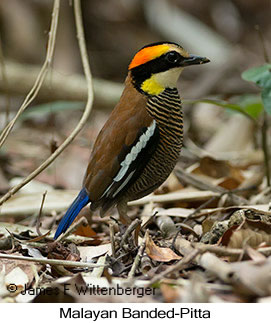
(265,126)
(138,256)
(112,240)
(42,74)
(265,147)
(86,113)
(40,214)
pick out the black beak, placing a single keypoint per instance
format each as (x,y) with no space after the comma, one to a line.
(194,60)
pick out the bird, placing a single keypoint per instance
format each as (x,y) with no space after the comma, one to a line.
(139,145)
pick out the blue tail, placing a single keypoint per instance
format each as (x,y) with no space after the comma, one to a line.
(81,200)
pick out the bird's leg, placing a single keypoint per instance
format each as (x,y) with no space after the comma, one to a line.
(122,209)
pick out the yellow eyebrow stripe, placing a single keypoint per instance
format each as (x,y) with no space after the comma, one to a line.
(147,54)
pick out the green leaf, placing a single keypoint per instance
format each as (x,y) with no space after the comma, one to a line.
(223,104)
(252,104)
(254,109)
(266,97)
(259,75)
(262,77)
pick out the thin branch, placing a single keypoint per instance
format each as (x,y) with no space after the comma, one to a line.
(207,260)
(177,267)
(83,120)
(202,185)
(59,87)
(112,239)
(264,133)
(216,266)
(175,196)
(40,214)
(129,231)
(42,74)
(265,125)
(54,262)
(138,256)
(226,251)
(73,227)
(225,105)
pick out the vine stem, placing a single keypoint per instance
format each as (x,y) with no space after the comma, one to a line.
(265,125)
(265,147)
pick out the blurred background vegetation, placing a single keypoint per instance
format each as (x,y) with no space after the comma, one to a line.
(224,161)
(223,30)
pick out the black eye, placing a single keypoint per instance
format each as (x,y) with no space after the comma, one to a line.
(172,57)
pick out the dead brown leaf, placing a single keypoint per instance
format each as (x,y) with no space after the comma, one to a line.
(56,250)
(225,175)
(158,253)
(229,183)
(214,168)
(249,232)
(39,238)
(85,231)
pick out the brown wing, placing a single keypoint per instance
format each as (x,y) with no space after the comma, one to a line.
(119,132)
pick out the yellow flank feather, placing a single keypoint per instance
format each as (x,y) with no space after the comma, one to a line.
(152,87)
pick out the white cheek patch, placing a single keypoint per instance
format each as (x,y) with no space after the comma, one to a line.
(168,78)
(125,164)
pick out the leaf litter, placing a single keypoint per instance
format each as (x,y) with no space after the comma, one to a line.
(229,244)
(235,269)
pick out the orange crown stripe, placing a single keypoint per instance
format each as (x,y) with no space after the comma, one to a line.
(147,54)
